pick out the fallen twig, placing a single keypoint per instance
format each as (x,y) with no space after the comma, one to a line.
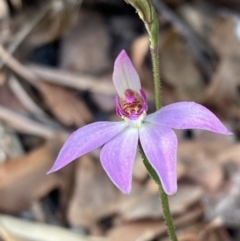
(38,231)
(81,82)
(35,74)
(26,125)
(18,68)
(26,30)
(23,96)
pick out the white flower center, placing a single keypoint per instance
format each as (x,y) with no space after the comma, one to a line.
(137,123)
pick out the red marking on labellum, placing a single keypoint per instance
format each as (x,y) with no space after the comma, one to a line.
(132,108)
(131,105)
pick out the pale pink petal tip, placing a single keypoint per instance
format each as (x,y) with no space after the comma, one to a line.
(188,115)
(117,158)
(160,147)
(85,140)
(123,54)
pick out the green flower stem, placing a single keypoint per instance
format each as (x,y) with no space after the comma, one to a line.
(156,78)
(163,196)
(149,16)
(167,214)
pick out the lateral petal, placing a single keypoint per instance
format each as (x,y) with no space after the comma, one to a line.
(117,158)
(160,147)
(85,140)
(187,115)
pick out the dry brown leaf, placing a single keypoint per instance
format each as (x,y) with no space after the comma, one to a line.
(61,17)
(139,52)
(233,4)
(231,154)
(3,10)
(140,49)
(68,108)
(36,231)
(216,224)
(24,124)
(223,90)
(141,204)
(224,36)
(191,233)
(199,158)
(199,147)
(7,236)
(23,97)
(94,195)
(178,68)
(147,230)
(195,17)
(17,4)
(2,78)
(8,99)
(73,80)
(188,237)
(24,180)
(86,47)
(137,231)
(223,205)
(10,146)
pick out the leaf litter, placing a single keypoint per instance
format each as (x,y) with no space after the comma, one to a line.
(55,76)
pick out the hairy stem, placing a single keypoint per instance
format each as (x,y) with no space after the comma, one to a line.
(163,197)
(167,214)
(156,77)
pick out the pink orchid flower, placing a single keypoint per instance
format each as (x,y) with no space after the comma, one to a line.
(120,139)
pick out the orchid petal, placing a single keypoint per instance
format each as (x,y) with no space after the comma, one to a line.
(124,75)
(159,144)
(85,140)
(117,158)
(187,115)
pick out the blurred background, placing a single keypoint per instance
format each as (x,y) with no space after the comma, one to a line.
(56,63)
